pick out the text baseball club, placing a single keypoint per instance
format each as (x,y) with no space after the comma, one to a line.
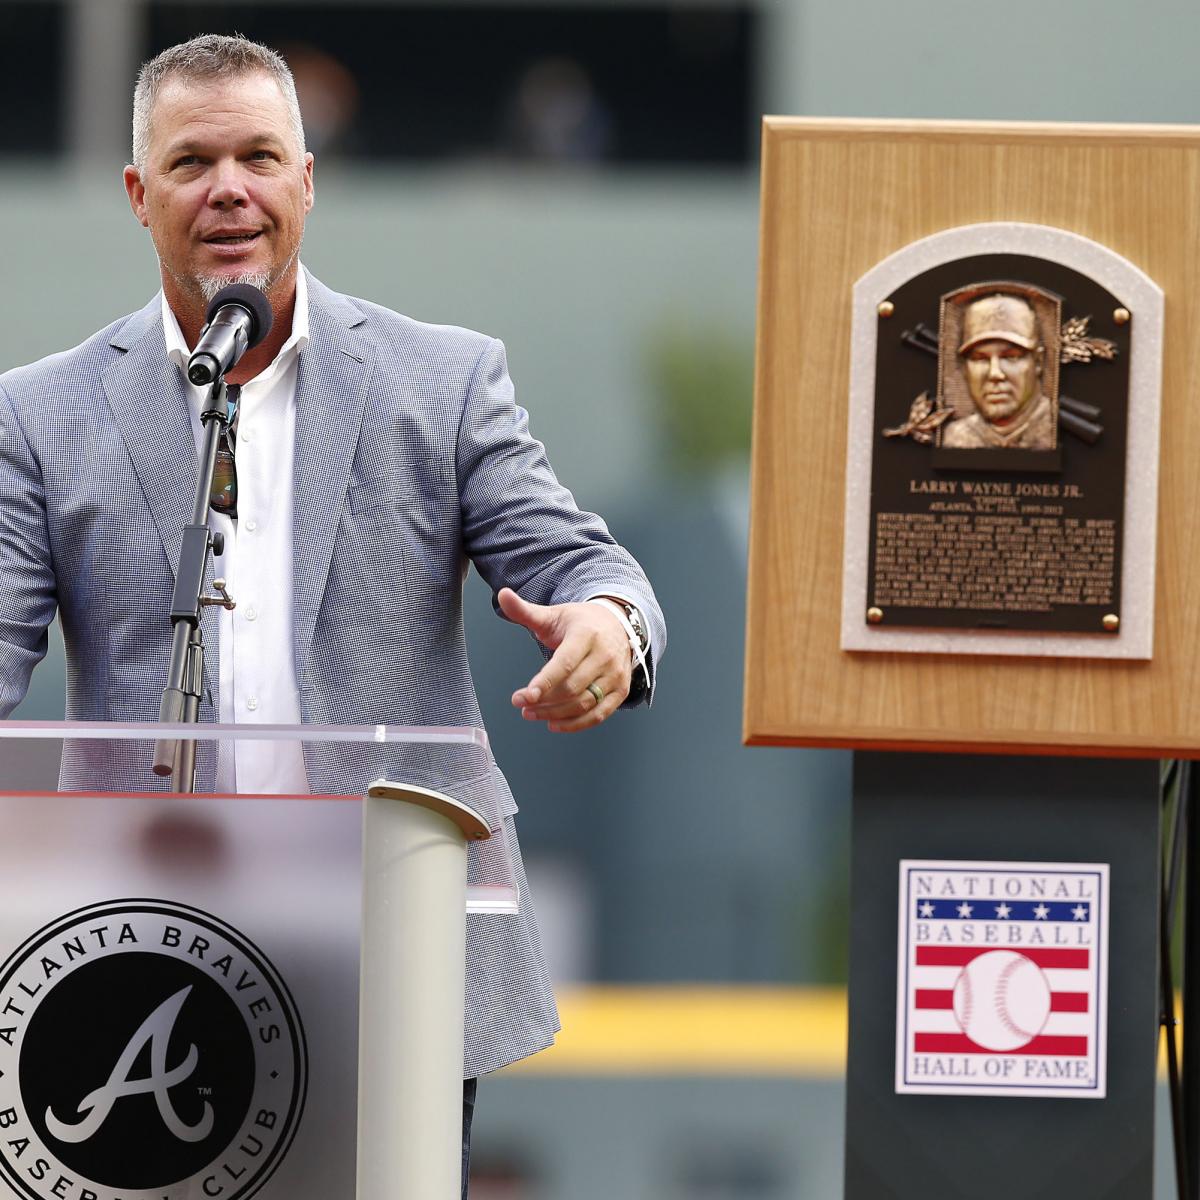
(229,1172)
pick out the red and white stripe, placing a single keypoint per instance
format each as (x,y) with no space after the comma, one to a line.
(933,1027)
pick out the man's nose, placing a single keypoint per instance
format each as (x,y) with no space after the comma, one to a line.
(995,371)
(228,188)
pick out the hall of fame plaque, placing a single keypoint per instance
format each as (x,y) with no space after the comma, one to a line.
(1002,467)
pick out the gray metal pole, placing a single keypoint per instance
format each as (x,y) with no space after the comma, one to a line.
(104,39)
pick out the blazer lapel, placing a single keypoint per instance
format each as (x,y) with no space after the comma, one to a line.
(331,394)
(149,403)
(150,407)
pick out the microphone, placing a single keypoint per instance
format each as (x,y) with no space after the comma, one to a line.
(239,317)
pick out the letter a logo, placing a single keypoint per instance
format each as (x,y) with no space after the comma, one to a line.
(96,1105)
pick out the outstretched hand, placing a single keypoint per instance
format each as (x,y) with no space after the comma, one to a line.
(587,676)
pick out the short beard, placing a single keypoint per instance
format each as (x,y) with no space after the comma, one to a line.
(205,287)
(209,287)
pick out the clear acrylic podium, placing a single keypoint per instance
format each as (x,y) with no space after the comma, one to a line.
(228,996)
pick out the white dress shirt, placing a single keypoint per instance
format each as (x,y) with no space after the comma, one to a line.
(257,660)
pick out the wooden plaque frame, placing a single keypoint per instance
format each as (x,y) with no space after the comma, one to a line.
(837,197)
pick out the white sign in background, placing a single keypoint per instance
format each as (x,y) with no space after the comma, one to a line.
(1002,979)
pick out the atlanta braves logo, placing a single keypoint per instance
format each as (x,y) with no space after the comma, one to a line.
(149,1025)
(155,1029)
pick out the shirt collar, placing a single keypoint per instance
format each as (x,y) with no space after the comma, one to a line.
(177,348)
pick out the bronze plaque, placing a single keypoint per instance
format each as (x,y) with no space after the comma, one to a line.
(999,455)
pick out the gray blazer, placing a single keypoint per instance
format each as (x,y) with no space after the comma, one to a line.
(411,460)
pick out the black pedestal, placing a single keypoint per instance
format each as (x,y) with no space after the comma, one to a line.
(973,808)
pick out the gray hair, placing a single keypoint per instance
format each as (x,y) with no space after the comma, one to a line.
(208,57)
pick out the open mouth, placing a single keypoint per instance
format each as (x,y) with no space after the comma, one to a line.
(233,239)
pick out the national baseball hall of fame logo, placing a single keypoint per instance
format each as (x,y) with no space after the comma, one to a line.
(148,1051)
(1002,979)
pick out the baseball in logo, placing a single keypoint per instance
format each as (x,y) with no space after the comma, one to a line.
(1002,1000)
(148,1051)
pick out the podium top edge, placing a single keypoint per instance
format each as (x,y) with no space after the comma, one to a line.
(471,822)
(467,735)
(866,128)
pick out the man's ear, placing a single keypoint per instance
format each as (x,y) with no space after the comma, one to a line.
(309,194)
(135,189)
(1039,358)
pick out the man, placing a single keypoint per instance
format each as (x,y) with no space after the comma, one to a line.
(1002,360)
(374,455)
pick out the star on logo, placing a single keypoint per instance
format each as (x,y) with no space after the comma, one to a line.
(1002,911)
(926,909)
(964,909)
(1080,912)
(1041,912)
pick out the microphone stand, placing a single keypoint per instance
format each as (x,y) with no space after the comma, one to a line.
(180,702)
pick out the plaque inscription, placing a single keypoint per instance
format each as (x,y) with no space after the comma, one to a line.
(999,453)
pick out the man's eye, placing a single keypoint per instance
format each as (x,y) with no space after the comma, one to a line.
(186,160)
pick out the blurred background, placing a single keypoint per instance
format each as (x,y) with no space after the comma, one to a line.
(579,178)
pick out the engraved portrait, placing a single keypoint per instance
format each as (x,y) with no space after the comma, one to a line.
(998,360)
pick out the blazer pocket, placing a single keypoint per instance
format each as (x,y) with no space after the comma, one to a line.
(396,529)
(364,497)
(488,793)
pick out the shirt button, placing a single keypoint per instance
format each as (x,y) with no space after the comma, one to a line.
(252,703)
(252,613)
(251,525)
